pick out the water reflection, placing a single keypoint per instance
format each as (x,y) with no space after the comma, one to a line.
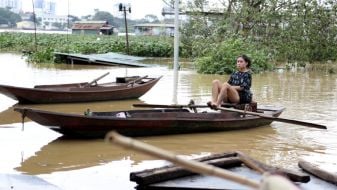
(64,154)
(308,95)
(19,143)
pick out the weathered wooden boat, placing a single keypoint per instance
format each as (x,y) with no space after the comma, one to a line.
(123,88)
(174,177)
(147,122)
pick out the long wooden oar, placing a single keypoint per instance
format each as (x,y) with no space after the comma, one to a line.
(96,79)
(169,106)
(307,124)
(178,105)
(191,165)
(303,123)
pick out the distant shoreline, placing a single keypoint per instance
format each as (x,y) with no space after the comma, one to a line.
(37,31)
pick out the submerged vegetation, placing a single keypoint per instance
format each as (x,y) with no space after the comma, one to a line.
(42,51)
(47,44)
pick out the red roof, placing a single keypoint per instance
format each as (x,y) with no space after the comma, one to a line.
(91,25)
(87,26)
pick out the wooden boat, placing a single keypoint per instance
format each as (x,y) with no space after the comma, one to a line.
(123,88)
(147,122)
(174,177)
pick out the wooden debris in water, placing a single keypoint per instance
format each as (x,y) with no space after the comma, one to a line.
(318,171)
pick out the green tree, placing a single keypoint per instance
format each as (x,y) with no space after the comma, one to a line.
(151,18)
(73,18)
(297,30)
(8,17)
(59,25)
(103,15)
(114,21)
(71,21)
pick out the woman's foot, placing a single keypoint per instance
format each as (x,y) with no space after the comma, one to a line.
(212,105)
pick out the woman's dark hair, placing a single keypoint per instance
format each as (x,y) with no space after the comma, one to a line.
(247,59)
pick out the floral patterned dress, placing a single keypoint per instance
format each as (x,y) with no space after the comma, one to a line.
(244,80)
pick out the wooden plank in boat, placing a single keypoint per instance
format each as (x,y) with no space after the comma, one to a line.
(198,182)
(174,177)
(205,182)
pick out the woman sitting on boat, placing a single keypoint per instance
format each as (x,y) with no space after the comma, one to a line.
(237,89)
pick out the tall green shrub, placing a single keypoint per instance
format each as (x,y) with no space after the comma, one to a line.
(222,59)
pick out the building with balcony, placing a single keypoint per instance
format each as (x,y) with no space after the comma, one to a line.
(152,29)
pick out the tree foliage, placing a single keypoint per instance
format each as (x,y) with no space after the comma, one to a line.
(8,17)
(112,20)
(296,30)
(103,15)
(222,58)
(151,18)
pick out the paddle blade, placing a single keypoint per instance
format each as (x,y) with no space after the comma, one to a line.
(296,122)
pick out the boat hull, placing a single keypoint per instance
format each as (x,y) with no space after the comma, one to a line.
(144,123)
(73,93)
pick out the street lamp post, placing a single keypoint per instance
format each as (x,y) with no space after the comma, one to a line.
(123,8)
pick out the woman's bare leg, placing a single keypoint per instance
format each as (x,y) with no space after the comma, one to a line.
(216,87)
(222,95)
(233,95)
(227,94)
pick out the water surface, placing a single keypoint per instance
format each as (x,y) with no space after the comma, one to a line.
(93,164)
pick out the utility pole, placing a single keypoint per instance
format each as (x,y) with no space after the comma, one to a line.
(34,19)
(176,51)
(123,8)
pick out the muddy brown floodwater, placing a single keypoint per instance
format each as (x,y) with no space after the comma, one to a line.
(93,164)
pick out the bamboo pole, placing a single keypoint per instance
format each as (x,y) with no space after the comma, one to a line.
(188,164)
(162,174)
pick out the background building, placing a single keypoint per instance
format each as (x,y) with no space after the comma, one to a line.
(43,7)
(38,4)
(152,29)
(52,22)
(92,27)
(45,11)
(14,5)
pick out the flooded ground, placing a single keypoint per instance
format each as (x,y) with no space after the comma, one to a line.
(93,164)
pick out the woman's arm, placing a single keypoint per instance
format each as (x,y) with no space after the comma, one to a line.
(246,81)
(238,88)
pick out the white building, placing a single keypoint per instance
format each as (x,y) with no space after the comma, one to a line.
(49,7)
(47,21)
(43,7)
(14,5)
(154,29)
(45,11)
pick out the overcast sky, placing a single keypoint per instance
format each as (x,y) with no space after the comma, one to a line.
(139,8)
